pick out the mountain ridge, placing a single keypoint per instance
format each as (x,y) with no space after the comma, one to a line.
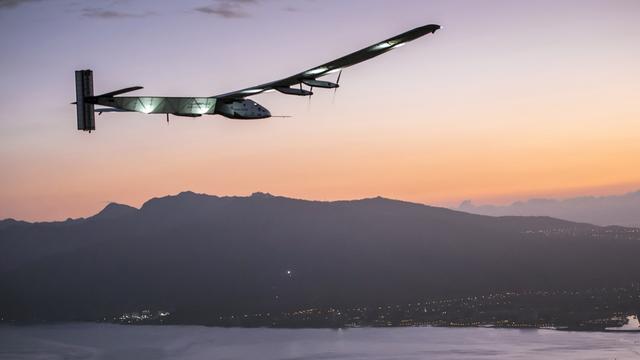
(621,210)
(206,255)
(467,206)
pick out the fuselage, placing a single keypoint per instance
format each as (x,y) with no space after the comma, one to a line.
(185,106)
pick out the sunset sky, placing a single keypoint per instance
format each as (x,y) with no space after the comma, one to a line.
(510,100)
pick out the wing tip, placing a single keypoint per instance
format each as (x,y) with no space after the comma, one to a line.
(431,28)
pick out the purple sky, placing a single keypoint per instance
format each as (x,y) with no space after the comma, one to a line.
(511,99)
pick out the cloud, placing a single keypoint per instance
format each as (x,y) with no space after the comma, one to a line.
(222,11)
(100,13)
(228,9)
(92,12)
(8,4)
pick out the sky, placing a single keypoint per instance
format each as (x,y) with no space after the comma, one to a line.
(509,100)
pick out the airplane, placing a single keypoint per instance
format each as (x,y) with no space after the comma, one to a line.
(233,105)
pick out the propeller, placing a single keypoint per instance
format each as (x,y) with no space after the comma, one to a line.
(309,102)
(335,90)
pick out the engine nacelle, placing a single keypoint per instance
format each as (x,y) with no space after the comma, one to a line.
(294,91)
(242,109)
(320,84)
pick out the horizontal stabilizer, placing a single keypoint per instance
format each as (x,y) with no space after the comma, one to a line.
(121,91)
(100,111)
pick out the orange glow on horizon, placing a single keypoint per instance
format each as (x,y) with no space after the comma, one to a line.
(537,104)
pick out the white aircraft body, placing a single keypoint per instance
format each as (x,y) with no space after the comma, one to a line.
(234,105)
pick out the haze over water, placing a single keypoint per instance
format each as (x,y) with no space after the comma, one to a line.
(105,341)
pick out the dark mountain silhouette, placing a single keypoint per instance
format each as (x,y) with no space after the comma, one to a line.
(206,255)
(623,210)
(114,211)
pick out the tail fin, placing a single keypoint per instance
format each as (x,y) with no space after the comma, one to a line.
(85,111)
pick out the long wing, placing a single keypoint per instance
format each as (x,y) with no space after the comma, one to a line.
(335,65)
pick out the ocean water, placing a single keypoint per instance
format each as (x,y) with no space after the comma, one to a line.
(106,341)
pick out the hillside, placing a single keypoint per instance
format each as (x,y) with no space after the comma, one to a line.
(208,255)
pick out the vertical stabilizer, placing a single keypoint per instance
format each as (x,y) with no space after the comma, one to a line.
(84,89)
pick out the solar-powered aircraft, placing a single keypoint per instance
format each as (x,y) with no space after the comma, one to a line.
(233,105)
